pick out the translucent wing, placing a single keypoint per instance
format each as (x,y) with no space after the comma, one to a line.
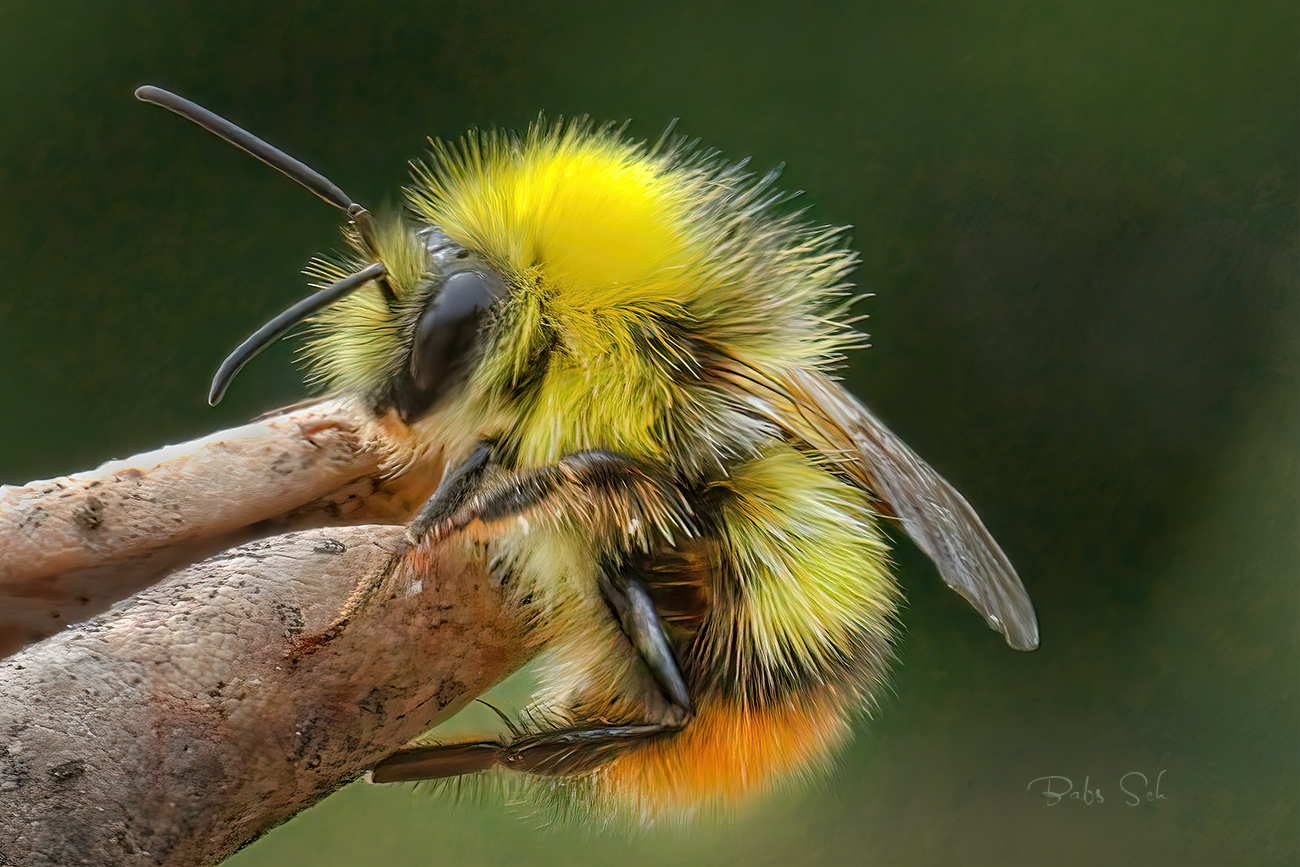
(934,514)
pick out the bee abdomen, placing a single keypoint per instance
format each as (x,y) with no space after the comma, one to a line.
(804,598)
(729,751)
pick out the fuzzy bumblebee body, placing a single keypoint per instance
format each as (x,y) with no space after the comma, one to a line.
(624,354)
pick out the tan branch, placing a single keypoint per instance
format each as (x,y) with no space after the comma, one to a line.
(70,547)
(174,729)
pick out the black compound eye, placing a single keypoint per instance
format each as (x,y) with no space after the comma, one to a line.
(448,330)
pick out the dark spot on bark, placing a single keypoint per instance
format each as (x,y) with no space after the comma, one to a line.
(285,465)
(123,841)
(90,515)
(373,703)
(448,691)
(241,553)
(291,618)
(329,546)
(69,770)
(13,773)
(312,734)
(33,519)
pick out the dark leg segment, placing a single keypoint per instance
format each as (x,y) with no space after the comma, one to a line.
(456,488)
(554,753)
(631,602)
(630,494)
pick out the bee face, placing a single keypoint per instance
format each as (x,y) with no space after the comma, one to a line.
(627,352)
(444,328)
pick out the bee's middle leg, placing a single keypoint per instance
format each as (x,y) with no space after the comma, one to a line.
(468,494)
(630,600)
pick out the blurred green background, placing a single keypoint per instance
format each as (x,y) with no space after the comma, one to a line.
(1080,223)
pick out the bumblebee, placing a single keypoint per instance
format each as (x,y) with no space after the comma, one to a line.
(625,354)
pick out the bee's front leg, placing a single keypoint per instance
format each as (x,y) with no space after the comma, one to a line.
(456,486)
(630,494)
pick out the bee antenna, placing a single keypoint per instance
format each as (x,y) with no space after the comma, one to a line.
(307,177)
(273,330)
(269,154)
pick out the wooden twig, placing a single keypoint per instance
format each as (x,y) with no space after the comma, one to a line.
(178,725)
(70,547)
(175,728)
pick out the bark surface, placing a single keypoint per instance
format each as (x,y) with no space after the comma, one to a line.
(72,546)
(177,727)
(178,724)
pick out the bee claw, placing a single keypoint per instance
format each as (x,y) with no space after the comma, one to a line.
(631,602)
(437,517)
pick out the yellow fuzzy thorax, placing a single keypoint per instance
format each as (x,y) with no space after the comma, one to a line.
(591,217)
(601,240)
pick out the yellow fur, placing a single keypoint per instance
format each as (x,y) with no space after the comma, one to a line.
(614,251)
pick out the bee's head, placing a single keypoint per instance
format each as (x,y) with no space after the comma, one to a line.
(565,289)
(551,263)
(414,341)
(611,275)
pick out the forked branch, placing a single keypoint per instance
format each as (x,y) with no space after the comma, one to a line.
(175,728)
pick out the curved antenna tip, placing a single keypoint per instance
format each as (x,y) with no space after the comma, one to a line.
(273,330)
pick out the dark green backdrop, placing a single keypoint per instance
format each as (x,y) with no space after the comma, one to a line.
(1080,222)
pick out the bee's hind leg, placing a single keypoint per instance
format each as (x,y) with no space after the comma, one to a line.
(573,749)
(558,752)
(577,748)
(630,600)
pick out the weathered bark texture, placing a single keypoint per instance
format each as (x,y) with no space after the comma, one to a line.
(71,547)
(175,728)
